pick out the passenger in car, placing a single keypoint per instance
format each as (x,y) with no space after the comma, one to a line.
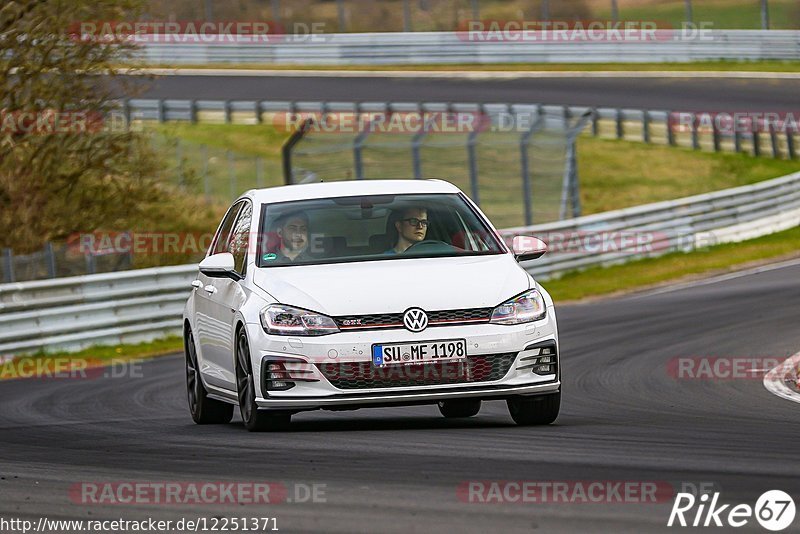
(292,229)
(412,227)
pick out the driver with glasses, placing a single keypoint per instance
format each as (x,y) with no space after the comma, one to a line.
(412,227)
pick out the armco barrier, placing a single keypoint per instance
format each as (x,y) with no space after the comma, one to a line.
(70,313)
(457,47)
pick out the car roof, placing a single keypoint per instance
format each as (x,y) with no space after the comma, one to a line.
(349,188)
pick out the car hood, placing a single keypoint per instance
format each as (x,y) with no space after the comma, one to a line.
(393,286)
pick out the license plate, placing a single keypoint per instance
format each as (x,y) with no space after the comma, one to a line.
(411,353)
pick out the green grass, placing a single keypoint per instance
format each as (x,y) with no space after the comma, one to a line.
(618,174)
(439,15)
(614,174)
(90,357)
(598,281)
(709,66)
(724,14)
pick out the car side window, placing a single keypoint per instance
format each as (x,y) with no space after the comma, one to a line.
(240,238)
(222,238)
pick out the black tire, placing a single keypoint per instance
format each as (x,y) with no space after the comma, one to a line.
(537,410)
(460,407)
(204,411)
(254,419)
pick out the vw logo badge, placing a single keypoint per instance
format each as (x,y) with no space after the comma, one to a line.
(415,320)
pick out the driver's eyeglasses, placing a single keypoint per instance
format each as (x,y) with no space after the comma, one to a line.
(422,223)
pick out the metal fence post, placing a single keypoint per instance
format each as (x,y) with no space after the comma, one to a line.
(228,112)
(416,163)
(646,126)
(688,7)
(790,143)
(773,136)
(288,146)
(193,111)
(595,122)
(406,15)
(126,112)
(341,15)
(161,111)
(620,126)
(764,15)
(570,189)
(259,173)
(257,110)
(670,132)
(715,133)
(358,164)
(206,184)
(472,141)
(476,9)
(695,133)
(50,258)
(276,10)
(614,11)
(525,168)
(91,264)
(358,145)
(755,136)
(232,173)
(8,260)
(737,139)
(179,156)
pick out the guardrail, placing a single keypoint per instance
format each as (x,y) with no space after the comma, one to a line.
(778,139)
(459,47)
(135,305)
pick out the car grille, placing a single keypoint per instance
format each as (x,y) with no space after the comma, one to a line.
(364,375)
(395,320)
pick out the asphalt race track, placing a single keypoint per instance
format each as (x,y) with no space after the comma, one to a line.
(678,94)
(624,418)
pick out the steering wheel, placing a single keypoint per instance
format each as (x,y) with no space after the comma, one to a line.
(430,244)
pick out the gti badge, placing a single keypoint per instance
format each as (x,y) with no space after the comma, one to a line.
(415,320)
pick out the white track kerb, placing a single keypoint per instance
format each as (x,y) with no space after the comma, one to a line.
(789,371)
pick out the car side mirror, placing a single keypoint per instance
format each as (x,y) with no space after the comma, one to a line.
(219,266)
(528,247)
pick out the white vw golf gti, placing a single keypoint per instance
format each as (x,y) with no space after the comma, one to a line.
(368,293)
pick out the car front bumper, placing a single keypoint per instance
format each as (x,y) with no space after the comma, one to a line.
(308,355)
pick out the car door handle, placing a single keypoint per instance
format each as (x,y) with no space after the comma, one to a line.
(210,289)
(197,284)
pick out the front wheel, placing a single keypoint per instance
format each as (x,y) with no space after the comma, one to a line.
(254,420)
(204,411)
(460,408)
(537,410)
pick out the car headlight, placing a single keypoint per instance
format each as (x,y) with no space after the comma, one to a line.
(289,321)
(524,308)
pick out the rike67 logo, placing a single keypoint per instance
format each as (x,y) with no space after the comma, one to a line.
(774,510)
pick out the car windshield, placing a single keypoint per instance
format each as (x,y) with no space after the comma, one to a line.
(367,228)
